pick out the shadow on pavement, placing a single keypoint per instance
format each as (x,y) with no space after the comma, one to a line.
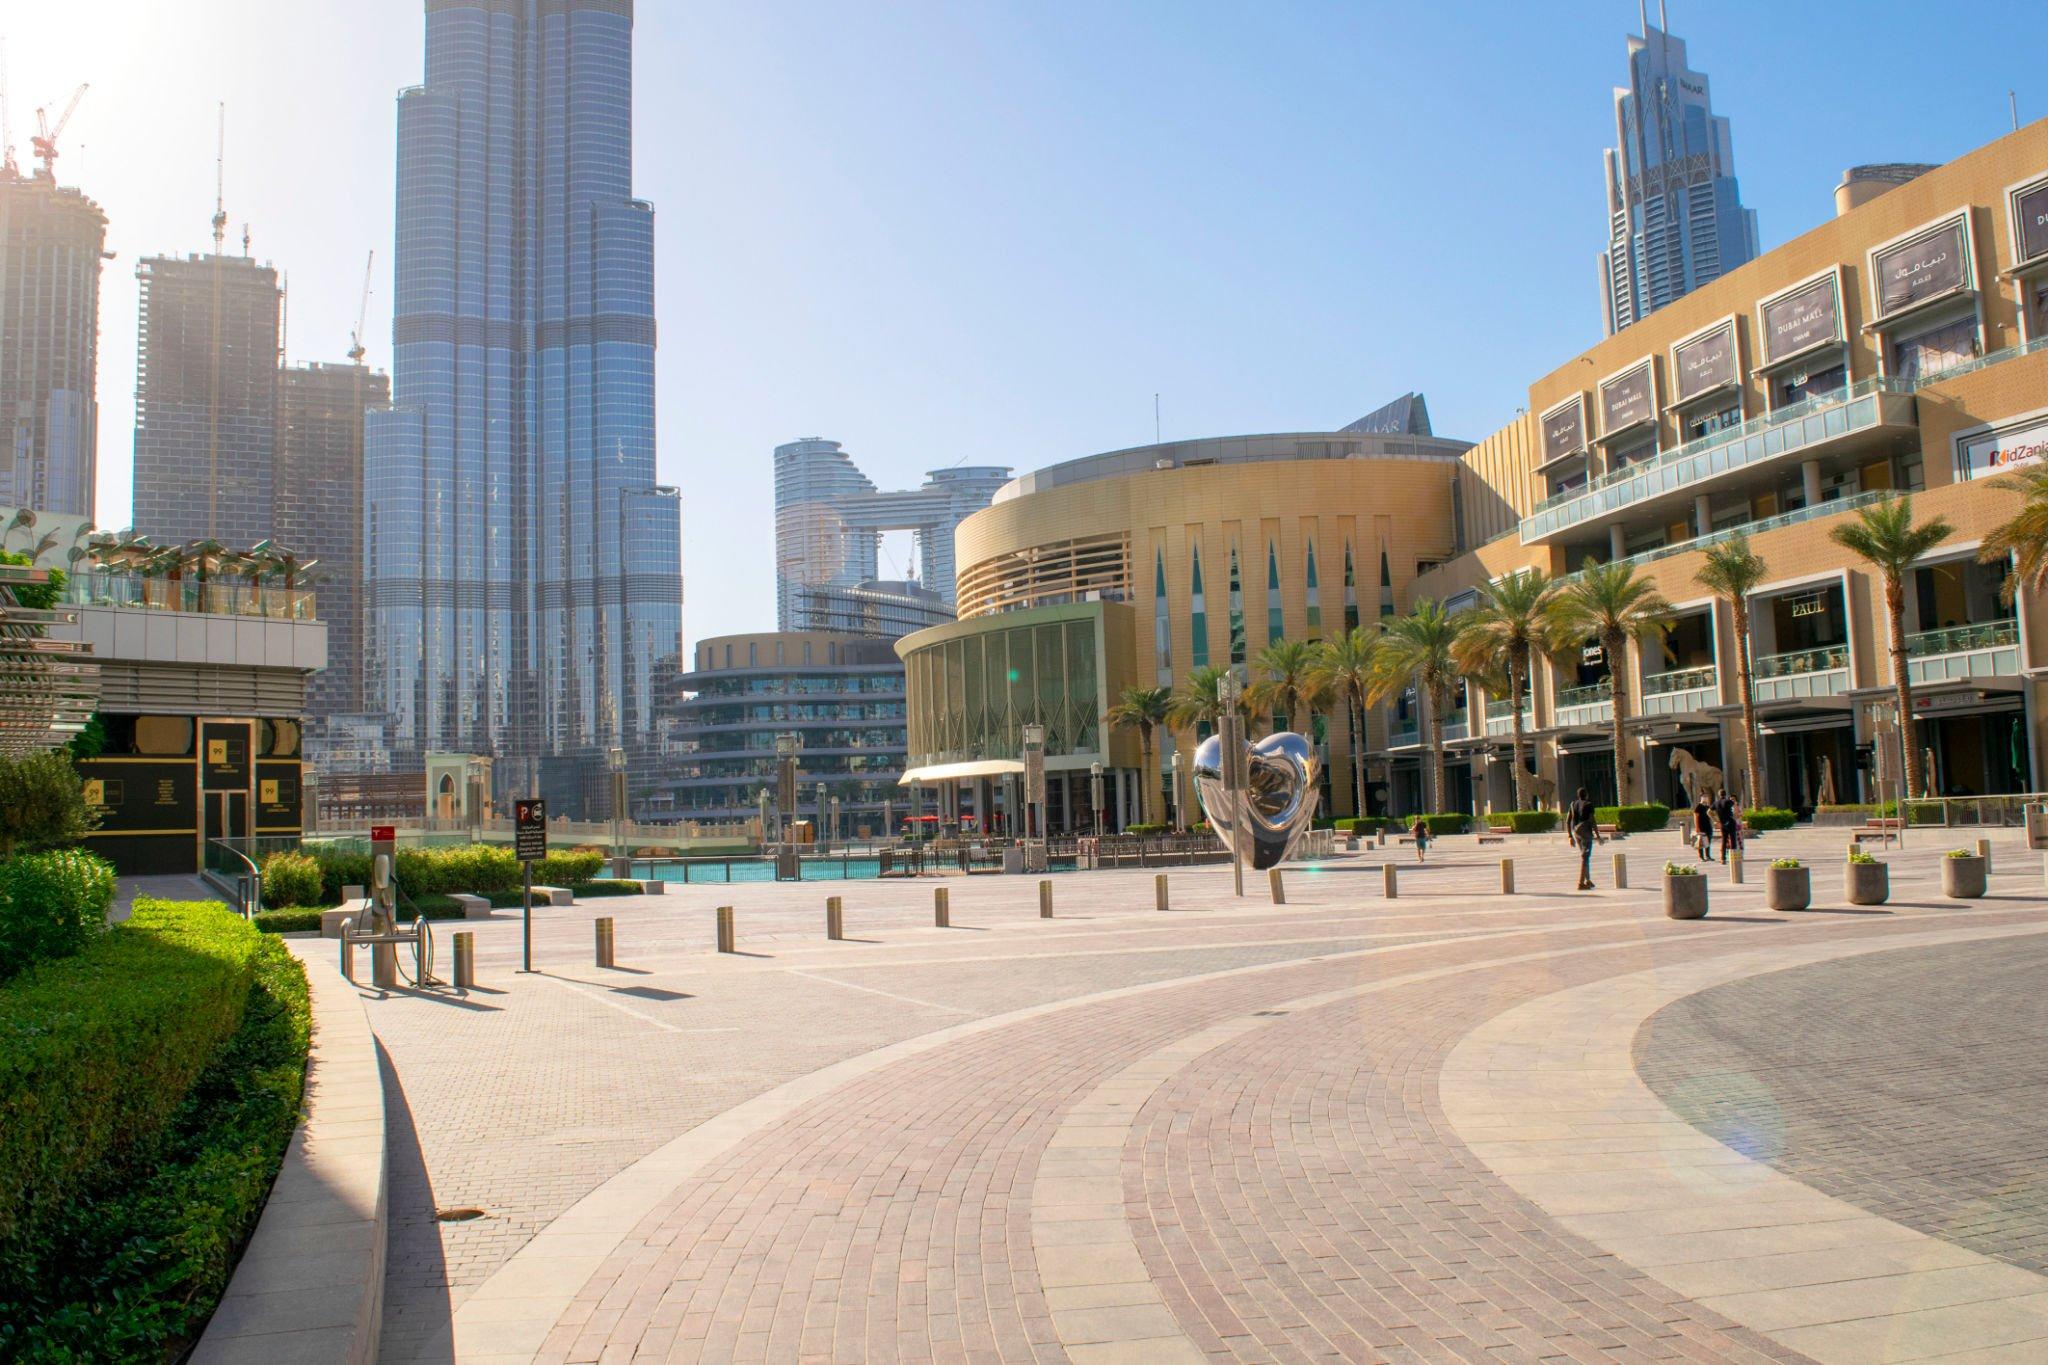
(417,1309)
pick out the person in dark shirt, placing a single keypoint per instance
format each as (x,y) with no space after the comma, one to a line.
(1703,828)
(1582,829)
(1731,824)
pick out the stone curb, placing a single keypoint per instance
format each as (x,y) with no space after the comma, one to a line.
(310,1287)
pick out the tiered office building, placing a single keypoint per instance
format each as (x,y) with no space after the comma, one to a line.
(51,244)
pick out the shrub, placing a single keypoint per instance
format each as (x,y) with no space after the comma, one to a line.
(1442,824)
(98,1051)
(1769,817)
(292,919)
(1859,854)
(562,869)
(291,879)
(1681,870)
(618,886)
(132,1270)
(34,596)
(1962,853)
(1786,864)
(340,865)
(1525,821)
(1642,819)
(42,804)
(51,905)
(474,868)
(1145,827)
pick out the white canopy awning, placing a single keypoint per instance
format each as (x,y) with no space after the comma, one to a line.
(960,772)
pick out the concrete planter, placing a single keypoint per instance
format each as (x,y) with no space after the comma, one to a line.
(1866,883)
(1962,879)
(1685,896)
(1788,888)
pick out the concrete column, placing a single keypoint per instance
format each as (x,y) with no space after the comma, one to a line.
(1809,481)
(1702,513)
(1617,543)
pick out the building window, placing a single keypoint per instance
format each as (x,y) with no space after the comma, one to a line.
(1707,422)
(1275,626)
(1926,354)
(1162,628)
(1198,617)
(1796,385)
(1386,584)
(1315,597)
(1236,611)
(1350,592)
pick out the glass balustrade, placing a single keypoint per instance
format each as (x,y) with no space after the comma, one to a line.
(1820,660)
(1680,680)
(1958,639)
(1587,695)
(214,597)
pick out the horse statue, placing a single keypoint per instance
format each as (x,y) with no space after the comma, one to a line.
(1697,778)
(1544,790)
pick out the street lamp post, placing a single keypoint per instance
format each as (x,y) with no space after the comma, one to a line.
(1095,794)
(1034,780)
(616,760)
(1173,768)
(821,836)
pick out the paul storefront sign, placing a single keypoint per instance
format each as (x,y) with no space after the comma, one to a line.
(1994,452)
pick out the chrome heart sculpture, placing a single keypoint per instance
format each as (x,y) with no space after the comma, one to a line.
(1279,799)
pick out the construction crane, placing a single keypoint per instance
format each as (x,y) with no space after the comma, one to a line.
(355,338)
(8,167)
(44,143)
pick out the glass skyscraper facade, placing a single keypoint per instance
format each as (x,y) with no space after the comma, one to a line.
(523,569)
(1674,212)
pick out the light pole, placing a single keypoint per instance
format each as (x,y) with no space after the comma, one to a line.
(761,800)
(1173,769)
(820,835)
(616,761)
(1034,780)
(1095,794)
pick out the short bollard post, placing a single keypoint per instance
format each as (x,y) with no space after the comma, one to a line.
(607,947)
(348,955)
(1380,839)
(1159,897)
(465,960)
(1507,876)
(1735,867)
(1621,872)
(1045,900)
(725,934)
(1279,891)
(942,908)
(835,918)
(1984,852)
(1393,882)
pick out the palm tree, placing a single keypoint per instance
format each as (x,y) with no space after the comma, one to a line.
(1884,535)
(1418,649)
(1508,628)
(1344,672)
(1609,603)
(1194,703)
(1731,572)
(1287,683)
(1142,709)
(2023,536)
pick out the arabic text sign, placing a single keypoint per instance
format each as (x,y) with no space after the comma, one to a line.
(1705,362)
(1564,430)
(1927,267)
(2031,207)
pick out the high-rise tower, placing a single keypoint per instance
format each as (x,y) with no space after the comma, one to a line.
(1674,212)
(206,400)
(51,241)
(523,569)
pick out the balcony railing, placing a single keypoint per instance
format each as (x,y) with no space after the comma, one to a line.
(1504,708)
(1808,422)
(1588,695)
(1960,639)
(1681,680)
(1408,735)
(1458,725)
(1801,661)
(1762,524)
(215,597)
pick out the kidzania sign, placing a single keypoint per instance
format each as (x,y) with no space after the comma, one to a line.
(1994,452)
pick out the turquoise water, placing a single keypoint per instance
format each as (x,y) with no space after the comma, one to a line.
(714,871)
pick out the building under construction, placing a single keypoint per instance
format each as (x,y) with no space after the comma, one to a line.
(206,395)
(51,245)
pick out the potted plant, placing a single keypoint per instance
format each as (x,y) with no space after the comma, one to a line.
(1788,884)
(1865,880)
(1962,875)
(1685,891)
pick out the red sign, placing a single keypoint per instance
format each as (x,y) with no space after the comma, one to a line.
(383,834)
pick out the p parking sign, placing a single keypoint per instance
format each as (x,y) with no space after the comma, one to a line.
(530,830)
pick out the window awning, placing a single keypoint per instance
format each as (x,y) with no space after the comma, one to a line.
(959,772)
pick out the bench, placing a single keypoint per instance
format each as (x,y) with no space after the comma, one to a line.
(351,908)
(1497,836)
(553,895)
(474,907)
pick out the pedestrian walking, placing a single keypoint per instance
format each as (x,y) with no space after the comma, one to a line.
(1421,834)
(1703,828)
(1583,828)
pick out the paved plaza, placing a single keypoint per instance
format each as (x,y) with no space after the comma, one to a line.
(1455,1125)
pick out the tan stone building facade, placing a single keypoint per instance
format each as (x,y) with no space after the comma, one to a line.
(1900,346)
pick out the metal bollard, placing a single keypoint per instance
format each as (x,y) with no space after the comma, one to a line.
(1621,872)
(1393,885)
(835,918)
(607,945)
(348,952)
(942,908)
(1507,876)
(1279,891)
(1380,839)
(1984,852)
(725,933)
(1159,896)
(1045,900)
(1735,867)
(465,960)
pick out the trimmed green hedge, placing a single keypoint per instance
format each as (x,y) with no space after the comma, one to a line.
(1641,819)
(131,1269)
(471,869)
(291,879)
(618,886)
(1769,817)
(1364,824)
(1439,825)
(291,919)
(98,1051)
(1525,821)
(51,905)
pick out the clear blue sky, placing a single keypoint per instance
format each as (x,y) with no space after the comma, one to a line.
(991,231)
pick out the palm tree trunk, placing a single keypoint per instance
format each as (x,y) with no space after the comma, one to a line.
(1354,717)
(1751,741)
(1437,706)
(1616,646)
(1895,607)
(1146,792)
(1516,668)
